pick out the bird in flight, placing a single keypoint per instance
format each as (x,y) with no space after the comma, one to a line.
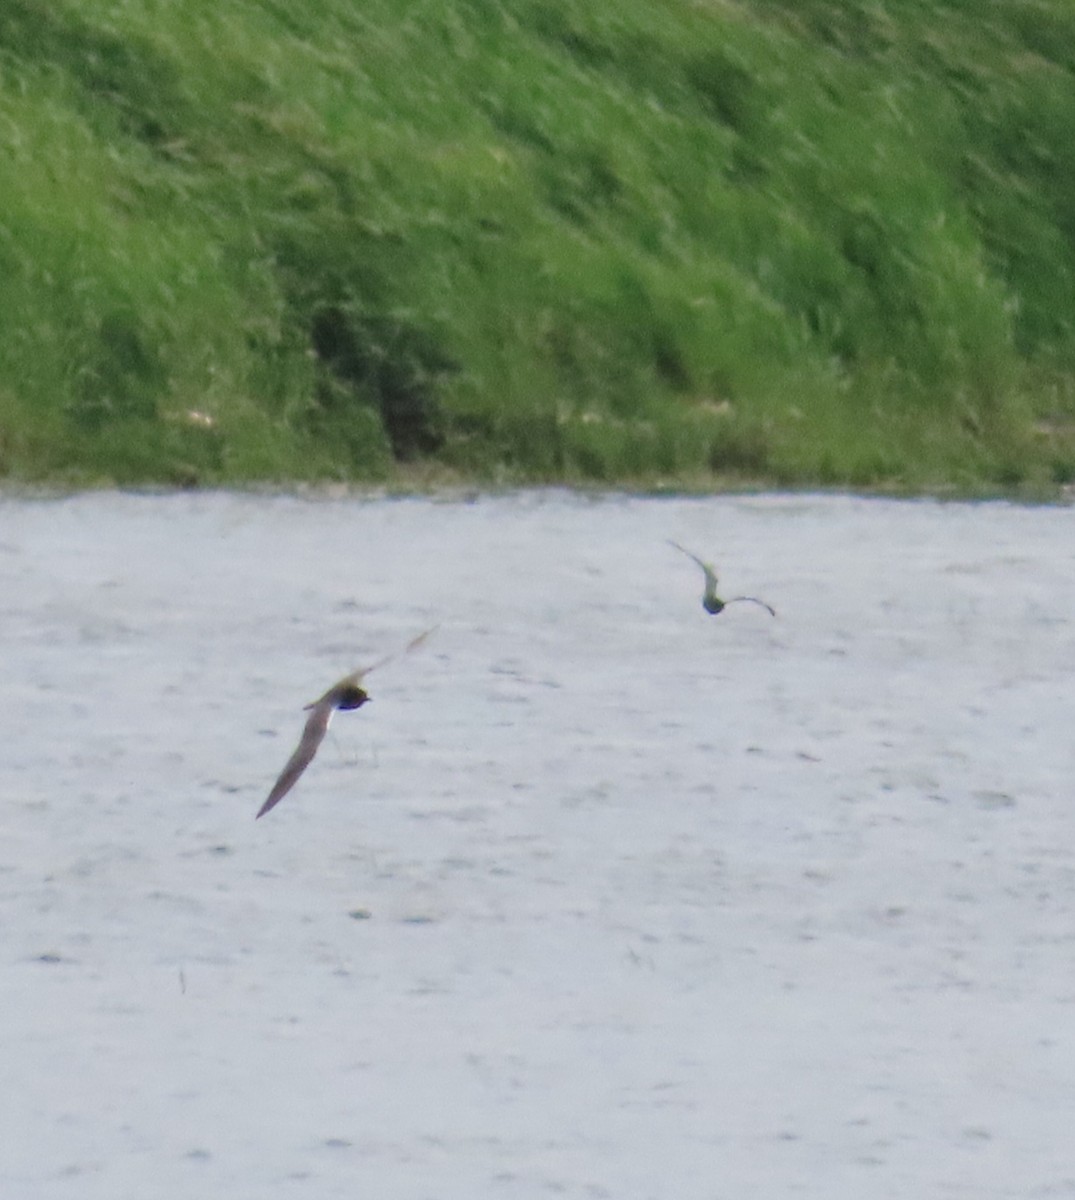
(711,602)
(346,694)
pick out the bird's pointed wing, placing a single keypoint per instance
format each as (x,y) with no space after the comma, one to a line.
(707,568)
(312,736)
(753,600)
(356,677)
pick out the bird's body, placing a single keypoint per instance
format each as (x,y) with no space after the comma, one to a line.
(347,693)
(711,602)
(344,695)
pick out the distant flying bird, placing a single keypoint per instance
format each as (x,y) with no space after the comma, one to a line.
(711,602)
(345,694)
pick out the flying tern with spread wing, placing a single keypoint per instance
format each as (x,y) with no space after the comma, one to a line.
(346,694)
(711,602)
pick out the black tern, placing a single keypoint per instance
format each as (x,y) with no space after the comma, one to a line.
(346,694)
(711,602)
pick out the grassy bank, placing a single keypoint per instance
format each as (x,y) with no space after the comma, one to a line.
(791,241)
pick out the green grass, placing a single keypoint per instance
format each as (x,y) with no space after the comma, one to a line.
(792,242)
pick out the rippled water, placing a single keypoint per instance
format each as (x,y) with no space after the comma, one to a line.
(600,896)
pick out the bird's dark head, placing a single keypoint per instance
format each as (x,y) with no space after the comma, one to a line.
(352,697)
